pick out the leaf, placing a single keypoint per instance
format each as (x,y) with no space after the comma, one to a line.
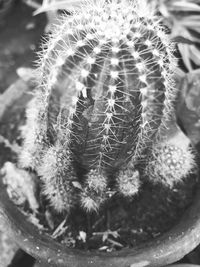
(179,29)
(189,107)
(181,39)
(195,54)
(190,21)
(183,48)
(180,17)
(186,6)
(50,5)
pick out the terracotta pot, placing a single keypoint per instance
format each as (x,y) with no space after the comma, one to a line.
(166,249)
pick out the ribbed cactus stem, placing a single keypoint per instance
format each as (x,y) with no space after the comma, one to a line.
(104,95)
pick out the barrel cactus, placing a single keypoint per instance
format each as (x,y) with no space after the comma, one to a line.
(104,97)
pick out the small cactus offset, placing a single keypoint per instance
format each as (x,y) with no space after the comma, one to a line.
(105,94)
(171,160)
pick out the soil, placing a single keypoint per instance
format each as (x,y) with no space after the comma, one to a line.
(121,222)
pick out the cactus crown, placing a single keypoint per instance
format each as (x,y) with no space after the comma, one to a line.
(104,94)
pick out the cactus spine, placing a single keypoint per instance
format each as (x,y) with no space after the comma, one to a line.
(104,94)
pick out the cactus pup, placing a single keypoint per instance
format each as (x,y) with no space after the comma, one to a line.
(104,96)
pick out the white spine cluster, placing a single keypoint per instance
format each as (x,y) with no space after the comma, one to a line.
(171,161)
(128,182)
(94,191)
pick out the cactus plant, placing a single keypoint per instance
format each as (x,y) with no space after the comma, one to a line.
(104,97)
(171,160)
